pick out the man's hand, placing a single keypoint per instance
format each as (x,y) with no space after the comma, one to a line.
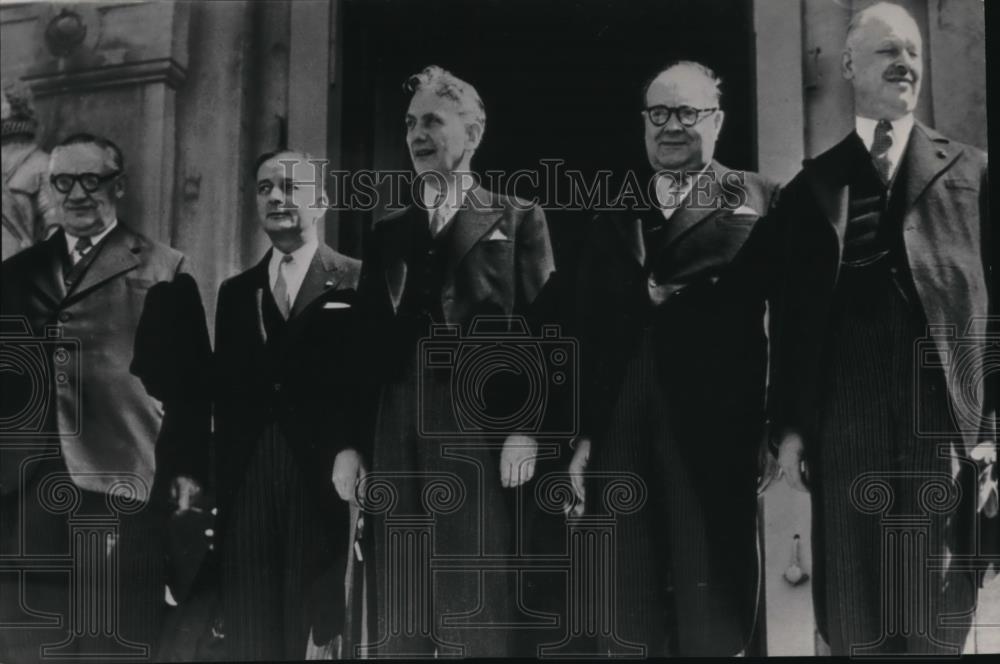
(348,470)
(985,456)
(184,494)
(577,465)
(790,460)
(517,460)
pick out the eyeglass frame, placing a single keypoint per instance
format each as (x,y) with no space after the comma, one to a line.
(676,110)
(78,178)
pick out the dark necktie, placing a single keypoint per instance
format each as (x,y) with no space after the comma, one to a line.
(880,149)
(80,249)
(281,288)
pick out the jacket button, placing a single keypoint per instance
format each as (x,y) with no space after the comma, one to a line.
(277,387)
(65,316)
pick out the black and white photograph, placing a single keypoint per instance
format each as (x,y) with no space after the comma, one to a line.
(534,329)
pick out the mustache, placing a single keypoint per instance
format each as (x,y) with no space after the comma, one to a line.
(900,71)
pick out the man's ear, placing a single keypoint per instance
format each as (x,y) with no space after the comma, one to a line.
(719,117)
(474,132)
(847,64)
(118,188)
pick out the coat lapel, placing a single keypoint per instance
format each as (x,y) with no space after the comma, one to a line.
(118,254)
(690,213)
(321,276)
(927,154)
(630,230)
(397,239)
(51,281)
(473,221)
(828,178)
(263,284)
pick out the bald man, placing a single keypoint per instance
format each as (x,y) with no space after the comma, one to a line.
(674,357)
(882,240)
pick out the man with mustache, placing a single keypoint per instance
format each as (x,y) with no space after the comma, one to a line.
(459,253)
(284,390)
(882,405)
(673,365)
(128,427)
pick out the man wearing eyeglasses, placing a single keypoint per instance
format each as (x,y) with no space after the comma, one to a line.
(129,425)
(673,353)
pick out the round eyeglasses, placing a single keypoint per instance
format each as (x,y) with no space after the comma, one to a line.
(90,182)
(688,116)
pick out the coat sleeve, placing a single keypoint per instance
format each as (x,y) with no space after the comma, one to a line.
(172,357)
(534,261)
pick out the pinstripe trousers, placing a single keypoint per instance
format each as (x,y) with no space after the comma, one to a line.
(276,544)
(875,392)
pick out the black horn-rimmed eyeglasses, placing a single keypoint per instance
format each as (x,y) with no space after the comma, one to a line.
(686,115)
(91,182)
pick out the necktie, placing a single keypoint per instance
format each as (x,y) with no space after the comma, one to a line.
(438,220)
(281,288)
(80,249)
(880,149)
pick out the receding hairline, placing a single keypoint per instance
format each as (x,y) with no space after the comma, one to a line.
(113,156)
(708,77)
(889,12)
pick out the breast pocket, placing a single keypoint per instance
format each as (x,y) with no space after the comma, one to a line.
(487,274)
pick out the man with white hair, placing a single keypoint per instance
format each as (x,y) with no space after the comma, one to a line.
(883,252)
(456,253)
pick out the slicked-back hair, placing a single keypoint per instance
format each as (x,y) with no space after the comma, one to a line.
(711,78)
(447,85)
(106,144)
(268,156)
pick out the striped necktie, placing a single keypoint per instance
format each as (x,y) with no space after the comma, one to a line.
(880,150)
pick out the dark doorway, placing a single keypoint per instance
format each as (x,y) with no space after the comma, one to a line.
(560,79)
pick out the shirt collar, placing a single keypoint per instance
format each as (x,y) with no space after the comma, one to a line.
(94,239)
(865,127)
(301,256)
(668,194)
(450,202)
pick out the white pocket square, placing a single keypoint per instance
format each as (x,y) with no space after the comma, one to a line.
(745,209)
(336,305)
(497,234)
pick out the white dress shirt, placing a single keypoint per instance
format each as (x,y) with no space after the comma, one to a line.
(445,209)
(670,196)
(901,128)
(71,241)
(295,270)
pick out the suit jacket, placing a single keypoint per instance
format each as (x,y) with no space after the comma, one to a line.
(946,237)
(499,260)
(300,378)
(711,303)
(692,290)
(133,402)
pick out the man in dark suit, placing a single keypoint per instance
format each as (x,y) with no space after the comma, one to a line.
(880,408)
(284,388)
(127,418)
(673,366)
(459,252)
